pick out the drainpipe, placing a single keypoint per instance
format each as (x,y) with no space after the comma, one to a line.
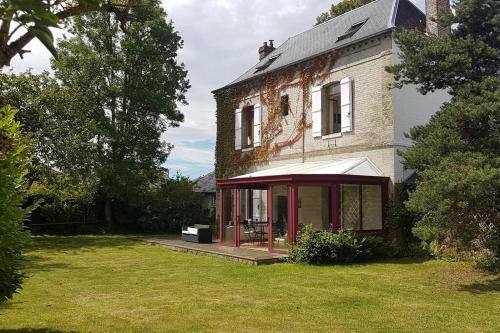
(303,127)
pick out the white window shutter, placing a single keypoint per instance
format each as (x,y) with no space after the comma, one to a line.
(346,104)
(257,120)
(316,111)
(237,129)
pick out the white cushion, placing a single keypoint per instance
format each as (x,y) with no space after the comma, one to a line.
(192,231)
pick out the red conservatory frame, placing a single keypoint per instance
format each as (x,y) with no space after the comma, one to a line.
(293,182)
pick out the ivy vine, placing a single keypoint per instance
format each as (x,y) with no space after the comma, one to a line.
(230,162)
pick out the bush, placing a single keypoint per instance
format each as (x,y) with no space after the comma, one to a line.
(13,162)
(400,221)
(324,247)
(487,261)
(58,215)
(163,209)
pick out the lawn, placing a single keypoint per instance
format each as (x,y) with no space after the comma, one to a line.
(114,284)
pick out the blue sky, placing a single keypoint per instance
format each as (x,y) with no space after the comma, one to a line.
(221,39)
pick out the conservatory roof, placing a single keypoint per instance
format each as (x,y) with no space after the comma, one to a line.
(349,166)
(319,171)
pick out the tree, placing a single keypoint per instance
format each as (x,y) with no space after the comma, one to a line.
(456,155)
(340,8)
(121,83)
(23,20)
(13,167)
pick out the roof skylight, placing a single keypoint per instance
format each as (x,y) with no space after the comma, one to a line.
(352,30)
(267,63)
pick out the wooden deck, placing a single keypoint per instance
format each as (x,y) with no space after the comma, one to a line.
(244,255)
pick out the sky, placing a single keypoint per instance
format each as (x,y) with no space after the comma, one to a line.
(221,39)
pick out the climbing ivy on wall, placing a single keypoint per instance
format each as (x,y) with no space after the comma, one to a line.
(230,162)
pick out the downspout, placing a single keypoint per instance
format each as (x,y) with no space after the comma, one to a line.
(303,126)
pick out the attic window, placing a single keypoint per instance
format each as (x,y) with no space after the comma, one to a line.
(267,63)
(352,30)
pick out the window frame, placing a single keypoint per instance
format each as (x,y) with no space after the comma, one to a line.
(247,125)
(285,105)
(360,225)
(327,113)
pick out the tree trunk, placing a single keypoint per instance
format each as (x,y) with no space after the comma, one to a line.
(108,213)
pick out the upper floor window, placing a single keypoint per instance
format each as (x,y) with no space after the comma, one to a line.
(331,114)
(247,123)
(331,108)
(247,127)
(285,107)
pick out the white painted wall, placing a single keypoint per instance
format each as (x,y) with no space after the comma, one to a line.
(411,108)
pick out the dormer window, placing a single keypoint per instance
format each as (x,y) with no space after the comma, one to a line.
(352,30)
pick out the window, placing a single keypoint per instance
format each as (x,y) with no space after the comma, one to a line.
(285,107)
(247,122)
(361,207)
(267,63)
(352,30)
(332,115)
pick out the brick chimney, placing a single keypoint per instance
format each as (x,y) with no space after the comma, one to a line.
(265,49)
(433,9)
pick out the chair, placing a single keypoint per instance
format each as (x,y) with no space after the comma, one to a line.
(249,231)
(199,233)
(260,233)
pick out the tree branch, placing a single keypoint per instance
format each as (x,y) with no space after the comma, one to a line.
(17,46)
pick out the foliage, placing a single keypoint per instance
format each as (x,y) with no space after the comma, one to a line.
(400,220)
(340,8)
(487,261)
(230,162)
(325,247)
(23,20)
(58,214)
(122,84)
(163,209)
(456,154)
(454,62)
(52,130)
(13,167)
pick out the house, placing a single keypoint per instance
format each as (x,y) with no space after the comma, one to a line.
(310,134)
(205,185)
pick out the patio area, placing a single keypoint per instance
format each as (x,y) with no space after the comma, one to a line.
(253,256)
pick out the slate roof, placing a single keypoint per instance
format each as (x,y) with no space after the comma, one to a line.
(205,184)
(381,16)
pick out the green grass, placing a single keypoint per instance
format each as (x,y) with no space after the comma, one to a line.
(113,284)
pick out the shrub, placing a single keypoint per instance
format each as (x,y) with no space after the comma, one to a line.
(400,221)
(487,261)
(324,247)
(13,162)
(163,209)
(59,215)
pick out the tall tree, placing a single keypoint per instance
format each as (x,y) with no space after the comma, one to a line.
(122,78)
(340,8)
(20,22)
(457,154)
